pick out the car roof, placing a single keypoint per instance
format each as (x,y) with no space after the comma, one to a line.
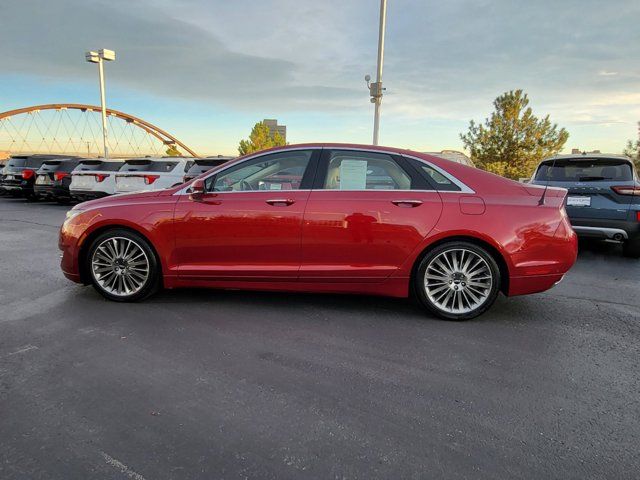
(157,159)
(588,156)
(352,146)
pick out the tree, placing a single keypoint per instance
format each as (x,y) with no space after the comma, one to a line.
(633,150)
(513,141)
(173,151)
(260,139)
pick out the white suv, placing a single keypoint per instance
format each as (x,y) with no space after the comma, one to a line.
(94,178)
(140,174)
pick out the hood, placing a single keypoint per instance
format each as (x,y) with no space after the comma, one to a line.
(118,199)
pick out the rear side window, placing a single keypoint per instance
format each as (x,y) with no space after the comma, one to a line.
(585,170)
(365,171)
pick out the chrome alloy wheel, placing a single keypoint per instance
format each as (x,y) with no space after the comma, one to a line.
(120,266)
(458,281)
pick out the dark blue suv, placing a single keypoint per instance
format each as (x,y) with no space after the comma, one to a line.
(604,196)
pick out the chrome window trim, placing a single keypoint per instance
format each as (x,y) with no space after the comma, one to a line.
(464,188)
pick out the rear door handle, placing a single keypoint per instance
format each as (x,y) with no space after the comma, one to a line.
(281,202)
(407,203)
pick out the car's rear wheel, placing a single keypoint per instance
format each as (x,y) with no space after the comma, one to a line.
(122,266)
(631,248)
(457,280)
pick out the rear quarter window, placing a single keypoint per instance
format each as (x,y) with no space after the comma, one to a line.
(434,177)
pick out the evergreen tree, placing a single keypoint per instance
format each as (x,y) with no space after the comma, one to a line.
(513,141)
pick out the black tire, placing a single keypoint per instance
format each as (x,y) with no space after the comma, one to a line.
(153,281)
(631,248)
(458,281)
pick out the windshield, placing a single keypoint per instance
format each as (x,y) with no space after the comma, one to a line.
(99,165)
(17,162)
(585,170)
(148,166)
(59,165)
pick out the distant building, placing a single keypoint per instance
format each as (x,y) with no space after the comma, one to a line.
(4,155)
(274,127)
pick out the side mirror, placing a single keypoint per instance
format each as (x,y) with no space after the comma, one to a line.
(197,189)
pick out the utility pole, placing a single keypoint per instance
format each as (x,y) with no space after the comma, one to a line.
(375,89)
(100,57)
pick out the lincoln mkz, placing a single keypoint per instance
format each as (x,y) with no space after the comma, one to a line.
(329,218)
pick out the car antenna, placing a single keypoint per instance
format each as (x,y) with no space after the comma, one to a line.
(546,185)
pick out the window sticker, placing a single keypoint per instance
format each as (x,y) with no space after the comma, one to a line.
(353,175)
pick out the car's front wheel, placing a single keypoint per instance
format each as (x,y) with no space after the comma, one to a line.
(457,280)
(122,266)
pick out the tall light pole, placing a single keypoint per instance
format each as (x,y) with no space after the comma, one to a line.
(375,89)
(100,57)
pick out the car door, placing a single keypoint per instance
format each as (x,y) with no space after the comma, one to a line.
(248,224)
(367,213)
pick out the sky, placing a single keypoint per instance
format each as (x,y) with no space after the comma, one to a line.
(207,70)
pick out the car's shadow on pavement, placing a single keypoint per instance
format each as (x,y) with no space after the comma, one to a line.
(324,304)
(609,249)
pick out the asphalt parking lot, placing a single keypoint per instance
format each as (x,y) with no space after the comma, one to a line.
(214,384)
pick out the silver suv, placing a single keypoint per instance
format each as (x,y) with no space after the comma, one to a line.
(141,174)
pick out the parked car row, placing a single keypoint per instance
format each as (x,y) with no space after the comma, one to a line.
(63,178)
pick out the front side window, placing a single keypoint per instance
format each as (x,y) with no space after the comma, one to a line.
(278,171)
(365,171)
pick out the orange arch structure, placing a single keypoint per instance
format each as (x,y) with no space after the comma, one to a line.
(151,129)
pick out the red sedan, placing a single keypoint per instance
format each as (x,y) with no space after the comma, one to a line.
(329,218)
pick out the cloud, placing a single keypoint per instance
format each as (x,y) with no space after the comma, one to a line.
(155,54)
(444,60)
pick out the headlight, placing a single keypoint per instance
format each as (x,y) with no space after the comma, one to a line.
(73,213)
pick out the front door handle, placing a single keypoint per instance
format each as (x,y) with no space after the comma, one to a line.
(281,202)
(407,203)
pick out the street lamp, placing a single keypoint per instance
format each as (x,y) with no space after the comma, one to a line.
(375,89)
(99,57)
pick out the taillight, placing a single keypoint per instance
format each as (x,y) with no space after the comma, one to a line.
(60,175)
(626,190)
(149,179)
(100,177)
(27,174)
(638,215)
